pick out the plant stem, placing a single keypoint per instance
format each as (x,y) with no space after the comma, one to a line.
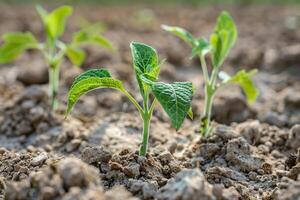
(206,116)
(210,89)
(146,126)
(204,68)
(53,85)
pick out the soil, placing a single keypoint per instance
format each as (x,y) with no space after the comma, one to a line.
(253,153)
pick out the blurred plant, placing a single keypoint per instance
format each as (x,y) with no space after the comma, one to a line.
(53,49)
(219,45)
(175,98)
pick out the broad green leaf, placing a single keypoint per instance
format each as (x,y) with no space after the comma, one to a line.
(95,73)
(145,61)
(144,57)
(223,38)
(181,33)
(15,44)
(89,37)
(243,78)
(75,54)
(88,84)
(56,20)
(175,99)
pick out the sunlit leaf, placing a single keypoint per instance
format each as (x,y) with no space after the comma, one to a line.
(15,44)
(243,78)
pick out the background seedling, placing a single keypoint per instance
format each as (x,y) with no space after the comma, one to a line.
(175,98)
(219,45)
(53,49)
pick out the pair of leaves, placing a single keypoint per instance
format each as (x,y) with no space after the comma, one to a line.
(15,44)
(244,79)
(221,40)
(55,21)
(175,98)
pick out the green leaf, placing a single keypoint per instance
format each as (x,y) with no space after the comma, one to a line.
(89,37)
(75,54)
(175,99)
(145,61)
(55,21)
(144,57)
(243,78)
(91,80)
(96,73)
(15,44)
(181,33)
(223,38)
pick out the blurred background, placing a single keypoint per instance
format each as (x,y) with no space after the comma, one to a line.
(268,40)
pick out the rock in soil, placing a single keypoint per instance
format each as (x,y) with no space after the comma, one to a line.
(189,184)
(30,114)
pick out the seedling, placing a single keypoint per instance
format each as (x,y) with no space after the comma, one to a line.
(175,98)
(53,49)
(221,41)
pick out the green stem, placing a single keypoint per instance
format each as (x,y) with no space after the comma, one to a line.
(206,116)
(210,89)
(146,126)
(53,85)
(204,68)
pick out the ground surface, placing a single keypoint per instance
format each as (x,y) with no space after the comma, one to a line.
(254,151)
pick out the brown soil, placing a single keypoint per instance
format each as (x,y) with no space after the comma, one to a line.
(254,152)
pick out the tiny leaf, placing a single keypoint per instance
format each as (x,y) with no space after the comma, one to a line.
(75,54)
(181,33)
(223,38)
(175,98)
(243,78)
(15,44)
(56,20)
(190,113)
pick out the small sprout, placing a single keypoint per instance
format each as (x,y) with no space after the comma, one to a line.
(175,98)
(53,49)
(221,41)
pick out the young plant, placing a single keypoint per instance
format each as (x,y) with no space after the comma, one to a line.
(53,49)
(175,98)
(221,41)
